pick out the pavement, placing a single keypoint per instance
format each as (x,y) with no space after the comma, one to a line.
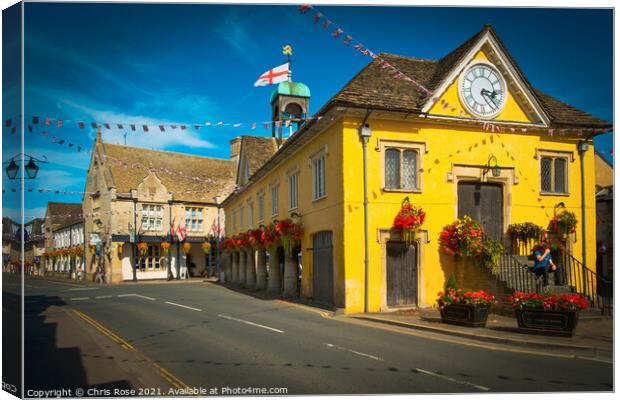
(209,337)
(593,336)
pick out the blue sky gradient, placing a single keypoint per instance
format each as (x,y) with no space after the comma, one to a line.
(141,63)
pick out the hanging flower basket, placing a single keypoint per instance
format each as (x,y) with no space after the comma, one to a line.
(463,237)
(270,238)
(186,247)
(165,247)
(408,221)
(563,223)
(143,249)
(290,234)
(206,247)
(255,239)
(525,231)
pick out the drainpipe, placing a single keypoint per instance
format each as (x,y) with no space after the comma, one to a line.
(582,148)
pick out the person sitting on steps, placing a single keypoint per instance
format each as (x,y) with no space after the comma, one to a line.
(542,260)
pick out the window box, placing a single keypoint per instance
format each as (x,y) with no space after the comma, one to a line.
(474,316)
(542,322)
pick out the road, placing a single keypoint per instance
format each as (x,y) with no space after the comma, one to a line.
(208,336)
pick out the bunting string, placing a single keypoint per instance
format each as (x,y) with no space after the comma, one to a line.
(34,120)
(397,73)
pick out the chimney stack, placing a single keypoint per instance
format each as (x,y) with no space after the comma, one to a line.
(235,148)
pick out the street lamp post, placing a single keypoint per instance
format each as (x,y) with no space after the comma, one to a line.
(169,272)
(135,239)
(365,133)
(219,230)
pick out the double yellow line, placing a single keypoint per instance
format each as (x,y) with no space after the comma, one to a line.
(104,330)
(167,375)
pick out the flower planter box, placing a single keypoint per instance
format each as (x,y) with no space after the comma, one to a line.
(557,323)
(465,314)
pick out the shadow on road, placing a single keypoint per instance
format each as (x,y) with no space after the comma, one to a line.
(48,366)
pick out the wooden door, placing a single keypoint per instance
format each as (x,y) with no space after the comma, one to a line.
(402,274)
(322,268)
(484,203)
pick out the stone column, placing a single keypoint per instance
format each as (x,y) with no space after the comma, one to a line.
(228,258)
(250,269)
(290,275)
(234,276)
(224,262)
(242,267)
(261,270)
(273,284)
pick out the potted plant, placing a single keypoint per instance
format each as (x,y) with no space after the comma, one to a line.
(547,313)
(408,221)
(468,308)
(462,237)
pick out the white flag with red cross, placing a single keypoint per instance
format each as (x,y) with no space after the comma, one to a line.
(181,232)
(273,76)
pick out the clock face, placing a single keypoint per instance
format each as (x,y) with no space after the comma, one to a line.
(482,90)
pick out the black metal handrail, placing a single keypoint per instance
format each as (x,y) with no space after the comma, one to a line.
(595,288)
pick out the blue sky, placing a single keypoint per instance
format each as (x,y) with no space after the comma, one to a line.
(140,63)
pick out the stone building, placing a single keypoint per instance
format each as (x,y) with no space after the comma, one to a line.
(64,229)
(134,197)
(604,172)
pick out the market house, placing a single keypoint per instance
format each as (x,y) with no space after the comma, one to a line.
(133,197)
(485,143)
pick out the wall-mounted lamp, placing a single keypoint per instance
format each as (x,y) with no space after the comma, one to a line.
(296,217)
(494,168)
(559,205)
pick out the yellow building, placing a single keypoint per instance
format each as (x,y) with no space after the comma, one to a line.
(437,149)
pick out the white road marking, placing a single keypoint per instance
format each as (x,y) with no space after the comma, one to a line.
(249,323)
(78,298)
(85,288)
(103,297)
(136,295)
(359,353)
(447,378)
(181,305)
(144,297)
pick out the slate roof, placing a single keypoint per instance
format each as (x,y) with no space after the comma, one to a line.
(130,165)
(257,150)
(63,214)
(375,88)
